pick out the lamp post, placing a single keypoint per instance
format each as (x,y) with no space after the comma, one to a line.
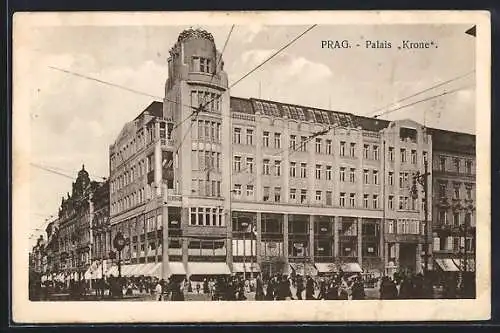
(119,244)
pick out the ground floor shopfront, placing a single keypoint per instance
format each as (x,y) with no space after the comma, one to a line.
(205,241)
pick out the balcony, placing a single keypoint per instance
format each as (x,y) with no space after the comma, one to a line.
(454,174)
(169,143)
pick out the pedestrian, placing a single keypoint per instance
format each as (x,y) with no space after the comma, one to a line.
(159,290)
(310,284)
(358,289)
(259,288)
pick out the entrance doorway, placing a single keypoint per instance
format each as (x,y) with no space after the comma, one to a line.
(408,257)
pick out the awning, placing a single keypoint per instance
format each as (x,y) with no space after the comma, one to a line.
(153,269)
(208,268)
(298,268)
(471,264)
(176,268)
(128,269)
(447,265)
(113,270)
(326,267)
(241,267)
(351,267)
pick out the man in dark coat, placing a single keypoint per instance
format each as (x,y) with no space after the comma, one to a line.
(310,288)
(259,288)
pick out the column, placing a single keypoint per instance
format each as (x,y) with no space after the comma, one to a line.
(164,244)
(311,237)
(258,157)
(285,144)
(259,238)
(418,259)
(396,254)
(336,240)
(285,242)
(229,238)
(184,240)
(386,255)
(360,240)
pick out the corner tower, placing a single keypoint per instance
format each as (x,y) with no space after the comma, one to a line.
(197,83)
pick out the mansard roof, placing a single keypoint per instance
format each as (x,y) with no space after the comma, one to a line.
(305,113)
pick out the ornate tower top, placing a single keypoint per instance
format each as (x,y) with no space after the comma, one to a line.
(192,33)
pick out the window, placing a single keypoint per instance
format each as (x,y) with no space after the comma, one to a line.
(442,163)
(277,194)
(329,147)
(266,194)
(391,202)
(303,143)
(413,156)
(456,219)
(342,148)
(366,176)
(468,219)
(403,155)
(352,199)
(457,165)
(293,193)
(375,153)
(391,153)
(318,196)
(468,167)
(401,180)
(329,200)
(277,140)
(391,178)
(442,217)
(250,137)
(375,201)
(342,199)
(375,177)
(456,191)
(293,142)
(390,226)
(266,167)
(249,190)
(318,146)
(277,168)
(237,190)
(293,169)
(468,191)
(352,175)
(442,190)
(237,135)
(318,171)
(303,196)
(365,200)
(303,170)
(265,139)
(366,152)
(237,163)
(352,149)
(342,174)
(250,164)
(328,173)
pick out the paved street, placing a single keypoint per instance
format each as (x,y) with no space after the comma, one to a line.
(371,293)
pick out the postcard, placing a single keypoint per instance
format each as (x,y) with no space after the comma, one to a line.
(188,167)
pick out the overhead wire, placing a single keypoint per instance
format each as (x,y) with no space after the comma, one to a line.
(374,113)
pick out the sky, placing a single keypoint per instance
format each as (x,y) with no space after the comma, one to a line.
(74,120)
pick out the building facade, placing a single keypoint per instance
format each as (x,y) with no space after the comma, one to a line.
(75,220)
(205,183)
(454,197)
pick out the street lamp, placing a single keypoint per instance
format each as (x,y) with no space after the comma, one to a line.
(119,244)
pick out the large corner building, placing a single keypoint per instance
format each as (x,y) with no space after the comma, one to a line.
(248,185)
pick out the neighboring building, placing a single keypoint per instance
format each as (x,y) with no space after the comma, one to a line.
(75,220)
(454,200)
(100,229)
(52,249)
(305,187)
(39,256)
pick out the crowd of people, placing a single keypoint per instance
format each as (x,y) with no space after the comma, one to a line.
(337,286)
